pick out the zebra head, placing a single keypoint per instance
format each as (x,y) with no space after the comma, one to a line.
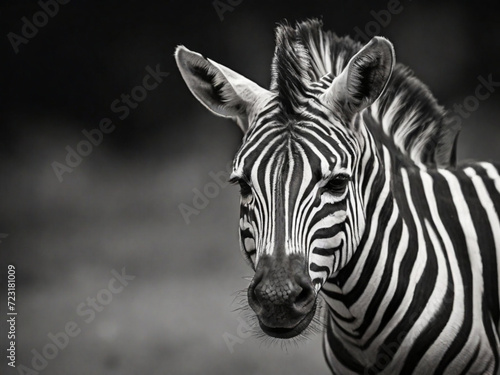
(301,166)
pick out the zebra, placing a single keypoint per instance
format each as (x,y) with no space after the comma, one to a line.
(350,189)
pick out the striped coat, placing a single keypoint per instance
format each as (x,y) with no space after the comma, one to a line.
(350,190)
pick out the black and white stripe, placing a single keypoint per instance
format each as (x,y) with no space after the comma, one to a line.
(401,242)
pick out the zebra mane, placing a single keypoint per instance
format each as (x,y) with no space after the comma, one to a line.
(407,112)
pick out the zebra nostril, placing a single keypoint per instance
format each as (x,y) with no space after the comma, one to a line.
(256,298)
(254,292)
(305,299)
(302,297)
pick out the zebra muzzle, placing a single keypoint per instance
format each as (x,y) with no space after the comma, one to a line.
(282,295)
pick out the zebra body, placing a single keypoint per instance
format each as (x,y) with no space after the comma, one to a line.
(422,290)
(350,189)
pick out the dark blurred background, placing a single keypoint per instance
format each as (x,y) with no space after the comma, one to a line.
(120,206)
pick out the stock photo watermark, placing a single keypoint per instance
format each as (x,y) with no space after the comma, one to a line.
(243,332)
(483,91)
(224,6)
(31,26)
(381,19)
(122,107)
(201,197)
(86,311)
(11,315)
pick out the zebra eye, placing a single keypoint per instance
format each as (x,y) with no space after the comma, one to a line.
(245,189)
(337,184)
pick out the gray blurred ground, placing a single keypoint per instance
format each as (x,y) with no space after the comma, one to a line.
(120,207)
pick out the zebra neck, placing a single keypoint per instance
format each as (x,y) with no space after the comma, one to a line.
(356,293)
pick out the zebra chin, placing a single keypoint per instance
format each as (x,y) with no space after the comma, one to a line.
(288,333)
(282,295)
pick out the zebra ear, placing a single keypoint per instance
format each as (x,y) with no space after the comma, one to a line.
(363,80)
(223,91)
